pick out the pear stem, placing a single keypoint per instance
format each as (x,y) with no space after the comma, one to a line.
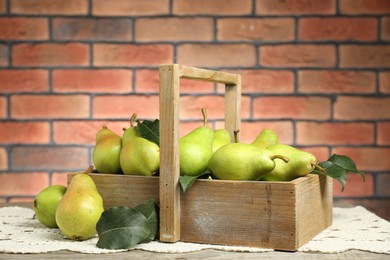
(315,165)
(281,157)
(89,170)
(132,119)
(204,113)
(235,132)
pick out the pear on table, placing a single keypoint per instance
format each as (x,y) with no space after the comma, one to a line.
(80,208)
(196,149)
(45,204)
(106,151)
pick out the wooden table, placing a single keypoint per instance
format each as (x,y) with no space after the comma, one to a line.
(204,254)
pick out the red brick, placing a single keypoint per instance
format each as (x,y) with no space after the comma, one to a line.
(355,186)
(217,55)
(256,29)
(132,55)
(49,7)
(24,132)
(18,28)
(23,183)
(148,81)
(385,82)
(385,33)
(250,130)
(129,8)
(3,159)
(292,107)
(101,29)
(363,108)
(50,106)
(3,107)
(367,158)
(383,133)
(312,133)
(190,107)
(174,29)
(3,55)
(13,81)
(365,56)
(86,80)
(298,55)
(321,153)
(339,29)
(364,7)
(266,81)
(3,6)
(110,107)
(59,178)
(49,157)
(296,7)
(50,54)
(83,132)
(215,7)
(383,188)
(336,81)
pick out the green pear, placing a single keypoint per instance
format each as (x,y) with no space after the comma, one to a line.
(266,138)
(240,161)
(45,204)
(80,208)
(301,163)
(221,137)
(140,156)
(130,132)
(196,149)
(106,151)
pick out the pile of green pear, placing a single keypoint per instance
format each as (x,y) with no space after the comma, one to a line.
(75,209)
(129,154)
(264,159)
(204,150)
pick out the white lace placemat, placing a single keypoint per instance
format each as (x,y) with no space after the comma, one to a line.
(352,228)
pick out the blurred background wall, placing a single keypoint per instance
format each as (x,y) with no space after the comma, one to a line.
(317,72)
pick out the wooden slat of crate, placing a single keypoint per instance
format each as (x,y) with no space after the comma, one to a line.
(278,215)
(170,76)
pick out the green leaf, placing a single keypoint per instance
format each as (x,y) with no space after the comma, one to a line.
(149,130)
(150,210)
(333,170)
(121,228)
(345,162)
(187,181)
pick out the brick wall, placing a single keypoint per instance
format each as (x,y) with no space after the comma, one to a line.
(317,72)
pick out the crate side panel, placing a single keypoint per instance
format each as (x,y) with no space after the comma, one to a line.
(256,214)
(314,207)
(125,190)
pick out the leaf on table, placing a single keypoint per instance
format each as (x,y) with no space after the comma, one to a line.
(150,210)
(149,130)
(123,227)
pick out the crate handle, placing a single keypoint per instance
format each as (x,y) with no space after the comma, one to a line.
(170,75)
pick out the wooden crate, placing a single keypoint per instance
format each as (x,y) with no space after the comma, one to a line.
(277,215)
